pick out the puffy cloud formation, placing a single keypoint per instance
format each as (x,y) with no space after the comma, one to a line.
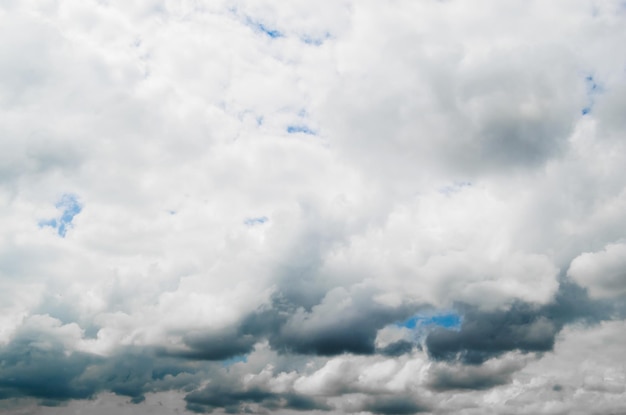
(342,207)
(604,272)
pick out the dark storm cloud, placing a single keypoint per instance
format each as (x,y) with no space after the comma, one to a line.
(35,364)
(522,327)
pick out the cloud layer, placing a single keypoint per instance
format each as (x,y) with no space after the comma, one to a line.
(342,207)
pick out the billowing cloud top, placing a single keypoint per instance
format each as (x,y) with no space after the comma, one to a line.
(341,207)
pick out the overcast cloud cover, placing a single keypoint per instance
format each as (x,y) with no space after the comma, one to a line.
(342,207)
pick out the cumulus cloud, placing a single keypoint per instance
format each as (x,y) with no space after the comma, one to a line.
(603,272)
(44,360)
(463,377)
(254,206)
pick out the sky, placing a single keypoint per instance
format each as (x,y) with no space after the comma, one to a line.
(298,207)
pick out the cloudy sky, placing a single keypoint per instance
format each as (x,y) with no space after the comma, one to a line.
(313,207)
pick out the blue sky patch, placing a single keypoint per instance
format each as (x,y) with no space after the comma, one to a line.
(48,222)
(70,207)
(260,27)
(449,320)
(315,41)
(255,221)
(303,129)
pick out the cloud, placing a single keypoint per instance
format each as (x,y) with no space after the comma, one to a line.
(354,330)
(602,272)
(524,327)
(394,405)
(397,348)
(41,362)
(216,345)
(335,207)
(235,398)
(495,372)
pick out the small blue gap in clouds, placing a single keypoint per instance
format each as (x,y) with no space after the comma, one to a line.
(315,41)
(70,208)
(310,41)
(447,320)
(585,111)
(273,33)
(295,129)
(48,222)
(255,221)
(233,360)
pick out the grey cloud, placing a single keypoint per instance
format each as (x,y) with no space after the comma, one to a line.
(394,405)
(463,377)
(353,329)
(65,310)
(56,307)
(332,328)
(300,283)
(397,348)
(230,394)
(484,335)
(598,384)
(545,400)
(323,331)
(25,47)
(507,126)
(44,372)
(524,327)
(471,119)
(602,272)
(37,365)
(515,141)
(216,345)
